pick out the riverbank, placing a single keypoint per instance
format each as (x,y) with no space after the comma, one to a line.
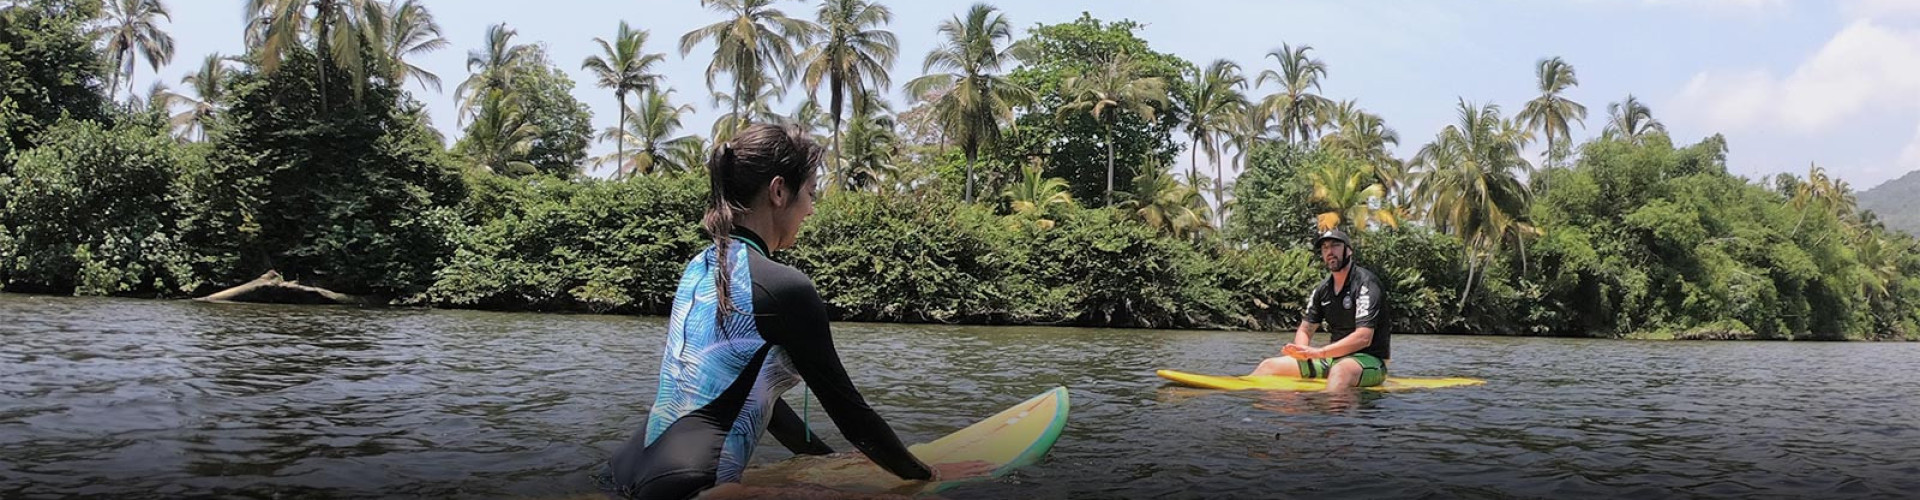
(843,322)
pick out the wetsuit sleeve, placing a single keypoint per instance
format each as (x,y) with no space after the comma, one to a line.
(1368,303)
(1313,305)
(803,330)
(793,433)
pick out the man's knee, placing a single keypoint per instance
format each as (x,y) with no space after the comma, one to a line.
(1346,367)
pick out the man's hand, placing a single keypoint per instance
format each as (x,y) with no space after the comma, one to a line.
(1297,351)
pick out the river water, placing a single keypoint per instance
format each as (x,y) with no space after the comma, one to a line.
(165,399)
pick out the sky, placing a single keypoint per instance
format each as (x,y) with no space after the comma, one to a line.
(1790,83)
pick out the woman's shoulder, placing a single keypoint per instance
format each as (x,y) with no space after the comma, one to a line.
(782,281)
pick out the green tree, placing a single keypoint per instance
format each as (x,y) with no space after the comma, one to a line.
(1075,145)
(48,69)
(344,198)
(501,137)
(532,125)
(650,132)
(402,29)
(1036,195)
(1213,96)
(852,57)
(565,124)
(1166,204)
(624,66)
(1116,86)
(1552,114)
(1366,137)
(1348,194)
(870,147)
(493,68)
(758,110)
(753,46)
(1471,183)
(92,212)
(1295,107)
(1273,196)
(1631,121)
(208,93)
(335,28)
(971,101)
(132,32)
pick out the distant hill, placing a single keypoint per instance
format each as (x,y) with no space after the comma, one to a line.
(1897,202)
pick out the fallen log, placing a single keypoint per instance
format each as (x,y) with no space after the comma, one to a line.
(271,288)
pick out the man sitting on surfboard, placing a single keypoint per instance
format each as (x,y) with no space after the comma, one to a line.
(1350,302)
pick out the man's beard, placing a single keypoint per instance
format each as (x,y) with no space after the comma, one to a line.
(1338,263)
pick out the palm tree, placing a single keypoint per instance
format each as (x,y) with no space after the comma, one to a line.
(1366,137)
(335,26)
(971,101)
(870,145)
(1471,184)
(854,56)
(1114,86)
(1631,121)
(402,28)
(1035,195)
(807,116)
(1166,204)
(491,69)
(209,91)
(1212,98)
(756,41)
(757,110)
(502,135)
(1294,106)
(624,66)
(1551,113)
(648,130)
(133,32)
(687,155)
(1879,272)
(1832,196)
(1347,192)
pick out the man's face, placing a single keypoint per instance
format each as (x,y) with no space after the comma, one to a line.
(1334,254)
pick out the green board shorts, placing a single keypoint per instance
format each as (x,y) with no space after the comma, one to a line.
(1372,371)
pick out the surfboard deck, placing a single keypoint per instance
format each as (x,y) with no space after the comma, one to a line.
(1266,383)
(1016,437)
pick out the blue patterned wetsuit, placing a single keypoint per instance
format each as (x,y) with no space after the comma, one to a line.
(720,384)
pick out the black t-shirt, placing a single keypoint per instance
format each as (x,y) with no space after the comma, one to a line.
(1362,304)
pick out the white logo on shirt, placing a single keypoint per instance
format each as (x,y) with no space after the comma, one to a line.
(1366,302)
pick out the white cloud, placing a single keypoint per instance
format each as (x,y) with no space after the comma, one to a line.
(1866,67)
(1884,10)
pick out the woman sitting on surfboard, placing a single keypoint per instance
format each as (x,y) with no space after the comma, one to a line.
(745,329)
(1350,302)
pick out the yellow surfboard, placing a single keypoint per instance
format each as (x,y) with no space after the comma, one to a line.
(1014,438)
(1266,383)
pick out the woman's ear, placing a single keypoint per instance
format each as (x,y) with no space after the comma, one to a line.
(777,194)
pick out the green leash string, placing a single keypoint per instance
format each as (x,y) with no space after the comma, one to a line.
(806,413)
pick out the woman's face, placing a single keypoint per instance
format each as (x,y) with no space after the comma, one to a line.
(790,209)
